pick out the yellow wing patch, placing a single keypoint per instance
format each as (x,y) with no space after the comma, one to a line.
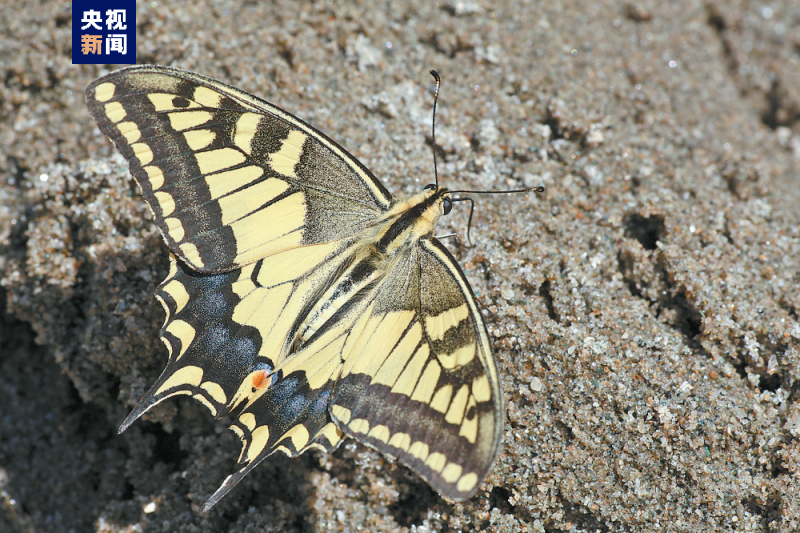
(104,92)
(184,120)
(245,131)
(286,159)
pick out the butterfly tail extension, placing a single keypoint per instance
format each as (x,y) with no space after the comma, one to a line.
(290,417)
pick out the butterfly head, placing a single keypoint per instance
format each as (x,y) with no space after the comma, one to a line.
(440,197)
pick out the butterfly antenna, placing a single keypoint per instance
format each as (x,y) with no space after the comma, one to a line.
(433,124)
(538,189)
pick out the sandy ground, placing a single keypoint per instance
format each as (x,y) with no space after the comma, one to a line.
(644,310)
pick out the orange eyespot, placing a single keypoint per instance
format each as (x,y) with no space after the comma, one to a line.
(260,380)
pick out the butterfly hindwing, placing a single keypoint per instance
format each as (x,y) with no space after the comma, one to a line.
(227,332)
(230,178)
(291,416)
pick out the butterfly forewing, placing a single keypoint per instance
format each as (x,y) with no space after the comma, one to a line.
(302,300)
(421,383)
(230,178)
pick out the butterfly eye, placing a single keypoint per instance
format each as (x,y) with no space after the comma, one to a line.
(429,187)
(447,205)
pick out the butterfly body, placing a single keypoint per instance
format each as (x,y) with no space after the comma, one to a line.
(303,299)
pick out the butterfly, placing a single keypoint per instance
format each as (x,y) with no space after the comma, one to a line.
(303,299)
